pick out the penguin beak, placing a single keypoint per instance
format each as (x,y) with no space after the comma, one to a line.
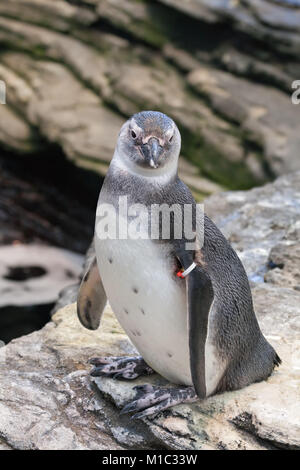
(152,151)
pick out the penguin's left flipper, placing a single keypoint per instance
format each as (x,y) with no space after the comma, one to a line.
(200,296)
(91,298)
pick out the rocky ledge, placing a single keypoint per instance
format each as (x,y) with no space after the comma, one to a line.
(48,400)
(74,70)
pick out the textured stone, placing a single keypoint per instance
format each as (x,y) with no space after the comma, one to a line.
(35,274)
(129,78)
(245,127)
(46,400)
(63,110)
(58,14)
(86,130)
(15,133)
(45,374)
(277,23)
(264,113)
(223,71)
(285,258)
(257,220)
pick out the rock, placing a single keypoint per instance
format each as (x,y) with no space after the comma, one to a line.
(31,277)
(123,58)
(257,220)
(47,201)
(47,370)
(264,113)
(59,14)
(285,258)
(86,135)
(44,382)
(16,134)
(35,274)
(276,23)
(4,446)
(85,129)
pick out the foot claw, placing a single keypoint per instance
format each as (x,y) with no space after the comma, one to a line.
(94,372)
(129,408)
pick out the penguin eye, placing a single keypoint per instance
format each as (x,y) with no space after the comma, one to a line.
(133,134)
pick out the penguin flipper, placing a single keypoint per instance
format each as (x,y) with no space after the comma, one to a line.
(200,297)
(91,298)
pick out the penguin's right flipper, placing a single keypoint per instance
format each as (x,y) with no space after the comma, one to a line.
(91,298)
(200,297)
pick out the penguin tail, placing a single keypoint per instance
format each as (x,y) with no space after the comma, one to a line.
(254,366)
(277,360)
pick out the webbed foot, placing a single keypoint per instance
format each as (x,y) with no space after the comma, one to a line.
(124,367)
(150,400)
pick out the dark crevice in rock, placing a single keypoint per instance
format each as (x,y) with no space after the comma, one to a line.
(22,273)
(45,198)
(272,265)
(3,444)
(209,41)
(104,26)
(19,321)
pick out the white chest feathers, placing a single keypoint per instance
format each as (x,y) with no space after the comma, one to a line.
(149,302)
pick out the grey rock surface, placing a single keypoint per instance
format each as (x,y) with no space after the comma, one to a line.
(268,20)
(222,70)
(255,222)
(35,274)
(47,399)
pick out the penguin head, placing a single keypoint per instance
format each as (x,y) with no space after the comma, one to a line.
(149,141)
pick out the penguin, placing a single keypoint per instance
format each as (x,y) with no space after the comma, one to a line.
(187,308)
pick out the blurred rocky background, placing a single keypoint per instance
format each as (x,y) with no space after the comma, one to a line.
(74,70)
